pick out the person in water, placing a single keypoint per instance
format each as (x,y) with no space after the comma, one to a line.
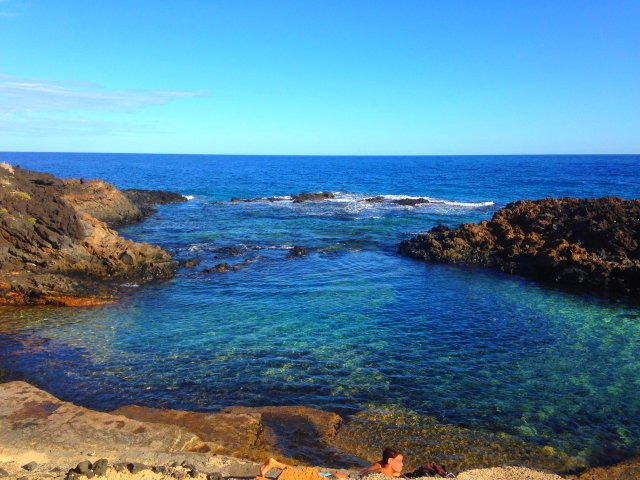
(390,465)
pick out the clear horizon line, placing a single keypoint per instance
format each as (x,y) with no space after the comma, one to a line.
(328,155)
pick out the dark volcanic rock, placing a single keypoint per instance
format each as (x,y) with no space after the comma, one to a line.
(376,199)
(146,199)
(297,251)
(410,202)
(152,197)
(312,197)
(189,263)
(219,268)
(55,247)
(592,243)
(229,251)
(299,198)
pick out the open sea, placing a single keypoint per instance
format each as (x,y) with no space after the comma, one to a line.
(351,325)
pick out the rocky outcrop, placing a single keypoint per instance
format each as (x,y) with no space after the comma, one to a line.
(99,199)
(146,199)
(296,198)
(319,196)
(411,202)
(297,251)
(312,197)
(55,244)
(46,437)
(591,243)
(34,418)
(238,434)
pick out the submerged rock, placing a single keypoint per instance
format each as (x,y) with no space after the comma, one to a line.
(591,243)
(56,247)
(219,268)
(189,263)
(229,251)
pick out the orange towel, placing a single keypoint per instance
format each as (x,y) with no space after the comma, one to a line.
(299,473)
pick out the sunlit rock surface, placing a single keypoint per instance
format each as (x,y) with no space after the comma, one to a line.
(56,246)
(590,243)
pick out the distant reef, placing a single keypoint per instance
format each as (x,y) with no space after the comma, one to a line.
(57,245)
(585,243)
(320,196)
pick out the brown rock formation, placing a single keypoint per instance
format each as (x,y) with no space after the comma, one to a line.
(592,243)
(35,425)
(55,247)
(237,434)
(628,470)
(35,419)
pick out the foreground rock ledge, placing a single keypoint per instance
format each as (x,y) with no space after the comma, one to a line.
(591,243)
(56,246)
(51,436)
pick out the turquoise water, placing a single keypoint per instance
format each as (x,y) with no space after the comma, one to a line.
(352,324)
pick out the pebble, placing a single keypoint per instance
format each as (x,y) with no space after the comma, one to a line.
(31,466)
(100,467)
(136,467)
(120,467)
(83,467)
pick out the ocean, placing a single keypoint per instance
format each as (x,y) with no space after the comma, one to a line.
(351,325)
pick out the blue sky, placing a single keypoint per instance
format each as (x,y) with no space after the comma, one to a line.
(373,77)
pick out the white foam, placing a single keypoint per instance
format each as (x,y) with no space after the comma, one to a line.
(354,203)
(278,247)
(189,197)
(468,204)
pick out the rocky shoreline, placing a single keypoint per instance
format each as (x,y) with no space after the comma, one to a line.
(57,245)
(44,437)
(592,244)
